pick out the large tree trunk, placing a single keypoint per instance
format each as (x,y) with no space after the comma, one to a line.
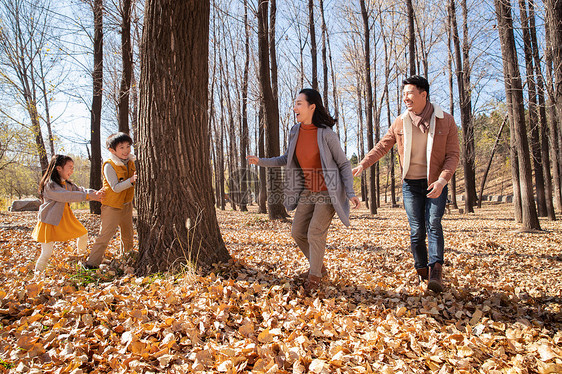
(313,52)
(369,106)
(275,207)
(544,135)
(533,111)
(177,221)
(95,123)
(530,219)
(127,61)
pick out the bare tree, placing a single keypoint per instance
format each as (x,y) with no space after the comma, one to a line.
(23,37)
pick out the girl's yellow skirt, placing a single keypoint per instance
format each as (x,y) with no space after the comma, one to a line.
(68,228)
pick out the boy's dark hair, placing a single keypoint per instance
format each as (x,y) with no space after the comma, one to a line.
(320,118)
(417,80)
(114,140)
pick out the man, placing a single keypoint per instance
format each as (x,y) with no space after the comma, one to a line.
(428,147)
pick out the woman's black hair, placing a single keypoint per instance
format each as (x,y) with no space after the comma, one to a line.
(52,174)
(320,118)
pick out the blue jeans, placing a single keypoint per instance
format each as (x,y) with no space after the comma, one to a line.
(424,216)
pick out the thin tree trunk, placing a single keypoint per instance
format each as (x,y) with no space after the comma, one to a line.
(173,75)
(262,200)
(324,56)
(361,130)
(466,113)
(530,219)
(483,184)
(272,50)
(95,124)
(313,52)
(127,60)
(369,106)
(44,92)
(533,111)
(275,207)
(244,132)
(453,189)
(554,21)
(553,122)
(544,135)
(412,37)
(471,148)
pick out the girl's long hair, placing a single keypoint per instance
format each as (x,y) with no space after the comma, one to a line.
(52,174)
(320,118)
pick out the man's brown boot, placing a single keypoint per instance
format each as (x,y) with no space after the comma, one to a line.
(423,274)
(436,278)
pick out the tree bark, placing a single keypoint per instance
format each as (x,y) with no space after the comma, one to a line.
(177,222)
(530,219)
(127,61)
(95,122)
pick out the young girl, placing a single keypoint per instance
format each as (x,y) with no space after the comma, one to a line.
(318,181)
(56,222)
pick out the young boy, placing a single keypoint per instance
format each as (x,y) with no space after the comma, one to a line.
(119,177)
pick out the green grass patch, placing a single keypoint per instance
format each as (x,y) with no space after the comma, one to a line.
(6,365)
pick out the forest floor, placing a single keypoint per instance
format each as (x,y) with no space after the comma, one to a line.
(501,311)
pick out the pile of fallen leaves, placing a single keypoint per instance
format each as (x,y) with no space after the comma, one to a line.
(501,312)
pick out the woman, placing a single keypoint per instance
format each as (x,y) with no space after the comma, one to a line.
(318,181)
